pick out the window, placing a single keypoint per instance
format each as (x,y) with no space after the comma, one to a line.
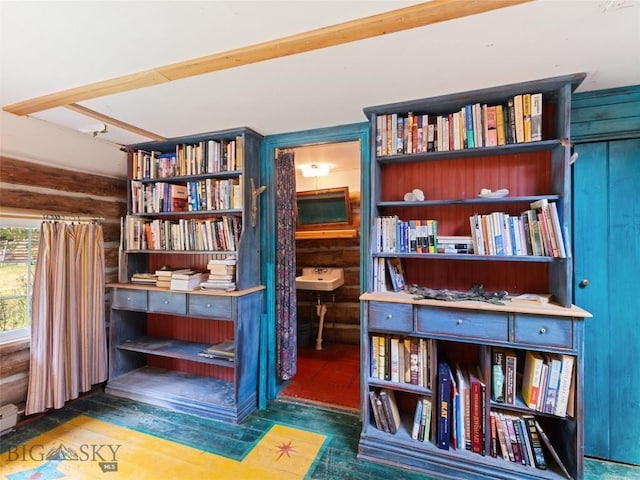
(18,255)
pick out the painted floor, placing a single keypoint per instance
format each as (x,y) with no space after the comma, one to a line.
(287,440)
(330,376)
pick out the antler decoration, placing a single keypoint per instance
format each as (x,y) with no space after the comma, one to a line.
(255,192)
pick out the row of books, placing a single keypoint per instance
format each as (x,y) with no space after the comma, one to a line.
(221,234)
(202,195)
(183,280)
(462,409)
(406,236)
(401,359)
(530,233)
(474,125)
(385,410)
(209,156)
(548,383)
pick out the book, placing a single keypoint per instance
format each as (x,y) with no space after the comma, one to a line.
(225,350)
(566,375)
(526,116)
(390,407)
(511,363)
(475,406)
(500,433)
(536,444)
(396,273)
(417,420)
(536,117)
(547,443)
(519,118)
(373,399)
(186,284)
(444,406)
(531,378)
(498,366)
(425,421)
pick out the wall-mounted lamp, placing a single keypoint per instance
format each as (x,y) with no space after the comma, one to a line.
(315,170)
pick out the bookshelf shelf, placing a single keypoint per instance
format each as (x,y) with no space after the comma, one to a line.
(468,341)
(156,333)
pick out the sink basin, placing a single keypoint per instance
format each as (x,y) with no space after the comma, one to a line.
(320,278)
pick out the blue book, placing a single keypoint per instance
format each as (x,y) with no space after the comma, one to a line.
(468,113)
(444,406)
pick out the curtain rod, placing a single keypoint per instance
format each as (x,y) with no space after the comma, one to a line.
(50,217)
(54,217)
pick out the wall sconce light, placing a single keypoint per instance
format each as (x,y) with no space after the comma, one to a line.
(315,170)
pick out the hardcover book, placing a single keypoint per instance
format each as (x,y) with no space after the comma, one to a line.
(444,406)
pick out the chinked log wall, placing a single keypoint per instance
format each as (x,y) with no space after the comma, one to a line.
(42,189)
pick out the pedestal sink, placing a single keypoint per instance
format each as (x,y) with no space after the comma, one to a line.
(323,279)
(320,279)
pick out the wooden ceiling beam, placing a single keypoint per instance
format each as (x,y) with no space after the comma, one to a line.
(398,20)
(114,122)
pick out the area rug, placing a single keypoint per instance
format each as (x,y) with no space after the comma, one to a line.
(87,448)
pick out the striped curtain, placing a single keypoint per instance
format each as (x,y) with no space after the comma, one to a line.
(68,338)
(285,291)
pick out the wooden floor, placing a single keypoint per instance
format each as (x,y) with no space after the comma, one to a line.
(336,458)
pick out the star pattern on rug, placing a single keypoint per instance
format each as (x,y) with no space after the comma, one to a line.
(285,449)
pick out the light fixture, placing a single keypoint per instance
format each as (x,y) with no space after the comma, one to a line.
(315,170)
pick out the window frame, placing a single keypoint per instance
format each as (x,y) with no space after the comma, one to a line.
(23,333)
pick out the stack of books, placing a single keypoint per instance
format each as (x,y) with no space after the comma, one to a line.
(186,281)
(164,275)
(144,278)
(225,350)
(222,274)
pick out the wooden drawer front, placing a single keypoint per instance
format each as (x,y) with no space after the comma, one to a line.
(463,323)
(209,306)
(541,330)
(168,302)
(130,299)
(397,317)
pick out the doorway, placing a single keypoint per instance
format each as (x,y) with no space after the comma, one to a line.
(328,336)
(340,335)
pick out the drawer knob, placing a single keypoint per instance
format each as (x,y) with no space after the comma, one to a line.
(459,321)
(208,305)
(166,302)
(543,330)
(389,317)
(128,299)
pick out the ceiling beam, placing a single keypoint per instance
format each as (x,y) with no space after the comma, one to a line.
(398,20)
(114,122)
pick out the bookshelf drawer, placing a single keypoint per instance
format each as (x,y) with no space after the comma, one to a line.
(543,330)
(463,323)
(167,302)
(130,299)
(390,316)
(209,306)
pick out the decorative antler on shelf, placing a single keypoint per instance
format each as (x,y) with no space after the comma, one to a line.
(255,192)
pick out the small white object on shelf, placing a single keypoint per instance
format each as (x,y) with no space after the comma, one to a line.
(486,193)
(416,195)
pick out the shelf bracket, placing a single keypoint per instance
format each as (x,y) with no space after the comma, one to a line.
(255,192)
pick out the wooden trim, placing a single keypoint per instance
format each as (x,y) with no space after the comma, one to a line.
(325,234)
(389,22)
(114,122)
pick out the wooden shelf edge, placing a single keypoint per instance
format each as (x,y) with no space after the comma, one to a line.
(318,234)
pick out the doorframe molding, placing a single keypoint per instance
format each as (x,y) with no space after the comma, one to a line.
(269,385)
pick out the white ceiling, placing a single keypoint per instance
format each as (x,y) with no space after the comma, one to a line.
(50,46)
